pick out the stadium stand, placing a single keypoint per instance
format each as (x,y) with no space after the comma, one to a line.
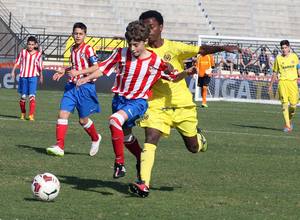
(184,19)
(108,18)
(255,18)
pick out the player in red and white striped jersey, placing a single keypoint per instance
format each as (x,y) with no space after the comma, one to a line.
(137,69)
(30,62)
(135,76)
(83,98)
(82,57)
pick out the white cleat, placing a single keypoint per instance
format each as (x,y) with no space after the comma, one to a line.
(55,150)
(95,146)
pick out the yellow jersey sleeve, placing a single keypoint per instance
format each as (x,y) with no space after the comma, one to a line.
(167,93)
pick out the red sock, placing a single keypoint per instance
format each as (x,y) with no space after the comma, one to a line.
(117,137)
(32,105)
(134,148)
(61,130)
(23,106)
(89,127)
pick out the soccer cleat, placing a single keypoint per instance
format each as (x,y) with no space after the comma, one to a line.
(55,150)
(203,142)
(31,117)
(204,106)
(22,117)
(139,188)
(95,146)
(119,170)
(287,129)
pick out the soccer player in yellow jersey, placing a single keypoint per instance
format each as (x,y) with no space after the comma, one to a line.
(171,104)
(285,68)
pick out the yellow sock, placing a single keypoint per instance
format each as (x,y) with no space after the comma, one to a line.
(147,161)
(292,111)
(285,111)
(199,138)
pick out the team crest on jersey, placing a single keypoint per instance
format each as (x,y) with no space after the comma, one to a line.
(82,54)
(167,57)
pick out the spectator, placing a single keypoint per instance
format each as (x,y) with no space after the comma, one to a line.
(228,61)
(272,58)
(263,61)
(247,61)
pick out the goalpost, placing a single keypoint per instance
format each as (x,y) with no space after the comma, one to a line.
(250,86)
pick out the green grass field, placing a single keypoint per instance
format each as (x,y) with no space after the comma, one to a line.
(250,171)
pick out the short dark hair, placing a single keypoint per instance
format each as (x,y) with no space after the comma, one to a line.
(32,38)
(152,14)
(80,25)
(137,31)
(284,42)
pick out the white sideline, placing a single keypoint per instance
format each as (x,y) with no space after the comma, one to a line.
(252,134)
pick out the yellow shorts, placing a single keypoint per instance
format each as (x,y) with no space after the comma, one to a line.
(288,91)
(184,119)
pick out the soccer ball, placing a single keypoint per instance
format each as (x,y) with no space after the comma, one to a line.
(45,186)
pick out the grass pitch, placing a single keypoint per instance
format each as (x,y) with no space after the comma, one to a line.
(250,171)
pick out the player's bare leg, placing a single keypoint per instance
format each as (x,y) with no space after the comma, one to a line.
(196,143)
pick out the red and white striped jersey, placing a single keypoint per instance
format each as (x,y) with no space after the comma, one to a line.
(31,65)
(134,77)
(82,57)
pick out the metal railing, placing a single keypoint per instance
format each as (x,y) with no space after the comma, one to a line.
(12,22)
(55,47)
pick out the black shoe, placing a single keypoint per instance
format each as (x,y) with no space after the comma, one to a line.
(139,188)
(119,170)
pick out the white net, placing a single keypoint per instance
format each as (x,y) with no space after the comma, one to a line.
(243,77)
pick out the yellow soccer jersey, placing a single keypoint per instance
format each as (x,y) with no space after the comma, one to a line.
(173,94)
(286,67)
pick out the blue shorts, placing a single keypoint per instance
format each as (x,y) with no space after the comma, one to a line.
(84,98)
(27,85)
(134,108)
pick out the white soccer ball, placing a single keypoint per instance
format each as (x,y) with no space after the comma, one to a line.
(45,186)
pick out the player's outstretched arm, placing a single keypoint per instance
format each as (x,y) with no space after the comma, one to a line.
(58,74)
(86,71)
(188,72)
(96,74)
(211,49)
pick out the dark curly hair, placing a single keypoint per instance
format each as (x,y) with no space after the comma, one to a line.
(152,14)
(137,31)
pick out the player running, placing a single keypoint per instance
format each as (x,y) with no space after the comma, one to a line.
(83,98)
(171,104)
(31,64)
(137,70)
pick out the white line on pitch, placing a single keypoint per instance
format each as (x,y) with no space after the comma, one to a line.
(251,134)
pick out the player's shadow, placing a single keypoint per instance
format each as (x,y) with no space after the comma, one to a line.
(42,150)
(92,185)
(8,116)
(256,127)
